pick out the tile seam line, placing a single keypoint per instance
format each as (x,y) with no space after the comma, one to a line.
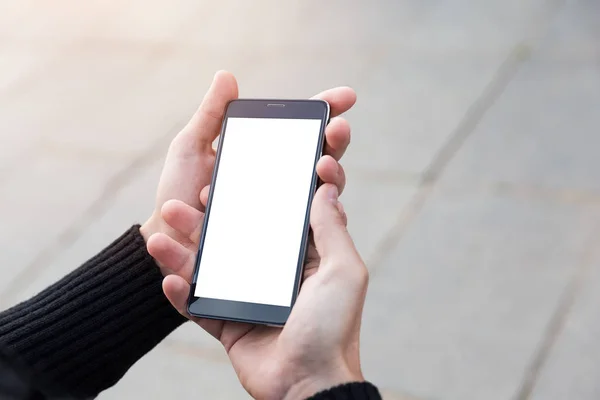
(32,79)
(97,208)
(564,307)
(559,317)
(465,128)
(520,53)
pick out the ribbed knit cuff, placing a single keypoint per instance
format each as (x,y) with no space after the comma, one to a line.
(349,391)
(85,331)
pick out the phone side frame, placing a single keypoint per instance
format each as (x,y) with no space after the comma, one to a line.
(315,183)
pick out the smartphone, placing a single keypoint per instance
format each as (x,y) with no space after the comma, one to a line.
(254,238)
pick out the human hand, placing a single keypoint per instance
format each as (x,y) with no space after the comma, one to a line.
(190,160)
(318,347)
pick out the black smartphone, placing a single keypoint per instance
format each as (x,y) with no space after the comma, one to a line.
(254,239)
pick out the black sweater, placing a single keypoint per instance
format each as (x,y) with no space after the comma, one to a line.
(81,335)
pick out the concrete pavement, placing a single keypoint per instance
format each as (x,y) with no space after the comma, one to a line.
(473,189)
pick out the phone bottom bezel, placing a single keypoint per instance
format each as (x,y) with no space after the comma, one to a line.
(238,311)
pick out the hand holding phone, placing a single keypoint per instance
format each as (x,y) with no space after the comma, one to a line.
(318,347)
(173,231)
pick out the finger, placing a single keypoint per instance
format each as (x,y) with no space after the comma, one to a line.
(340,99)
(330,171)
(206,122)
(204,195)
(172,254)
(177,290)
(183,218)
(332,240)
(337,137)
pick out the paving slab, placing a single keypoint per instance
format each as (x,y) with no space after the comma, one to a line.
(567,71)
(542,131)
(373,205)
(306,24)
(573,363)
(130,204)
(172,373)
(458,308)
(44,197)
(140,21)
(419,92)
(23,63)
(57,24)
(87,104)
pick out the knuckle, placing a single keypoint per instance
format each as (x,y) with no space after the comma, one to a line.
(185,260)
(343,122)
(363,276)
(345,126)
(175,143)
(211,112)
(354,276)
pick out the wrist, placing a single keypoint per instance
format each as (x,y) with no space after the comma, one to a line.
(150,227)
(321,381)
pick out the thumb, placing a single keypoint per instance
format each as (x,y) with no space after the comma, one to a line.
(328,225)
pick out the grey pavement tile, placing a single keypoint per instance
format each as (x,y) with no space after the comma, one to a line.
(458,322)
(140,21)
(483,27)
(235,25)
(413,99)
(574,33)
(192,336)
(408,108)
(301,24)
(131,204)
(54,24)
(542,131)
(22,121)
(337,24)
(372,207)
(573,364)
(276,75)
(14,149)
(115,100)
(166,373)
(89,99)
(326,44)
(390,395)
(19,62)
(460,305)
(41,198)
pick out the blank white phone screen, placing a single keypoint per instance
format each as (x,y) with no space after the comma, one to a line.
(258,209)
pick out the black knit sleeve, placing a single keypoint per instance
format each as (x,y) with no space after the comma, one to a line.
(350,391)
(85,331)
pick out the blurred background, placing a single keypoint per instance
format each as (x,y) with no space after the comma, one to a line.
(473,177)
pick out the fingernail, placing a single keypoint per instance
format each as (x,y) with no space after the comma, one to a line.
(332,193)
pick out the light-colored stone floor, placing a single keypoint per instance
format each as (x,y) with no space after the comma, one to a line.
(474,176)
